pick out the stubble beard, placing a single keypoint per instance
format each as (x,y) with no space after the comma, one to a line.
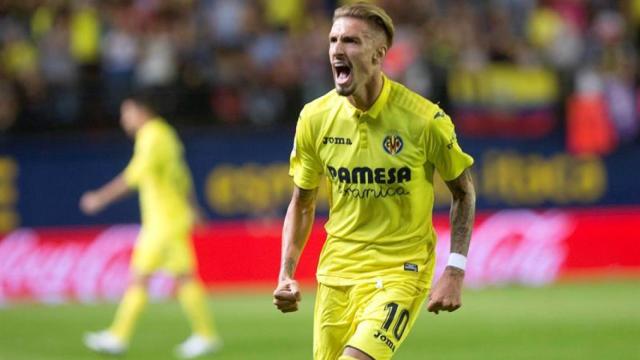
(345,91)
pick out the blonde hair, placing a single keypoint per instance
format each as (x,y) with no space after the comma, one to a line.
(371,13)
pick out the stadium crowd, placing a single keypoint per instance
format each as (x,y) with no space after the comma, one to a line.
(68,64)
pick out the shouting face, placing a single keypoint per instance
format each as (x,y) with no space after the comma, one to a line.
(356,50)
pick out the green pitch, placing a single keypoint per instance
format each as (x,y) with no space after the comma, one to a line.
(568,321)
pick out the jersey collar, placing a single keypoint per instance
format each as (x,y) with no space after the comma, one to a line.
(377,106)
(147,124)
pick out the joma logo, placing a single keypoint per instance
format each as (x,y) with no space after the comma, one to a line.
(336,140)
(382,337)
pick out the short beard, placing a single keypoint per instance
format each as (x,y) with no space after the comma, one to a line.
(345,91)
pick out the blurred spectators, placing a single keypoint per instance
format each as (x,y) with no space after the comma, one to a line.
(501,67)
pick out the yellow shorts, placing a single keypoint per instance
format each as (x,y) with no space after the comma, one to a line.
(171,253)
(373,320)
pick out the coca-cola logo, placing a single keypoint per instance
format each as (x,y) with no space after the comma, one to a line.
(85,268)
(522,247)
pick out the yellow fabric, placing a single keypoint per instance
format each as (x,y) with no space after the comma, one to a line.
(41,21)
(543,27)
(361,316)
(527,86)
(192,298)
(284,13)
(348,2)
(635,12)
(169,251)
(128,312)
(19,58)
(380,166)
(159,172)
(85,35)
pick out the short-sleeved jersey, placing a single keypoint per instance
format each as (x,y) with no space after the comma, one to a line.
(159,172)
(379,165)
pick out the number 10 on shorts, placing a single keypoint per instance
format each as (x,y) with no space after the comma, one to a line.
(400,321)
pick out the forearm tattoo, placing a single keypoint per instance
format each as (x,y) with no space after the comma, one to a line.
(462,212)
(289,267)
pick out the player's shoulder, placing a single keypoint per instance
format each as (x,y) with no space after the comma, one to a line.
(321,106)
(160,127)
(158,131)
(409,101)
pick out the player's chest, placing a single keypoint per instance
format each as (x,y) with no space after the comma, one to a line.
(375,144)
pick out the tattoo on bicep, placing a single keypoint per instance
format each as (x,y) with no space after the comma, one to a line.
(306,199)
(462,185)
(307,195)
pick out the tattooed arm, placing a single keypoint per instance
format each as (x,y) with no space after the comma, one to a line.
(463,206)
(295,233)
(446,294)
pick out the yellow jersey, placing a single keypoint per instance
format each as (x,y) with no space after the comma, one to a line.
(159,172)
(379,165)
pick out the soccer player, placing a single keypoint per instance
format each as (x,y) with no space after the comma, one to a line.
(168,210)
(379,144)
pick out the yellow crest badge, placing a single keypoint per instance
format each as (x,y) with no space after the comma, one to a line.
(392,144)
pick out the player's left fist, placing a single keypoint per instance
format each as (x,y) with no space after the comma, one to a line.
(287,296)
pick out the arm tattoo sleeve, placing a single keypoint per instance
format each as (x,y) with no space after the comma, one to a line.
(462,212)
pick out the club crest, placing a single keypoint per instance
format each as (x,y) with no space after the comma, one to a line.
(392,144)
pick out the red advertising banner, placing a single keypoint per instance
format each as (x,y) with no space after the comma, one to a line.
(508,247)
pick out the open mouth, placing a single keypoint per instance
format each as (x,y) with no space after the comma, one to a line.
(343,73)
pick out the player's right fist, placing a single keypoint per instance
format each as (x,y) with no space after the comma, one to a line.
(287,296)
(91,203)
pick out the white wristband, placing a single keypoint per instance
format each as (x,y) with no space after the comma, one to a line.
(457,260)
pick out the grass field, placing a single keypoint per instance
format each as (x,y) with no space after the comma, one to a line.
(567,321)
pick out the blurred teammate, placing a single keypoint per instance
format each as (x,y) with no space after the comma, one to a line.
(379,145)
(167,201)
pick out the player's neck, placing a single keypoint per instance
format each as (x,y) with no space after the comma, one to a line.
(364,98)
(141,123)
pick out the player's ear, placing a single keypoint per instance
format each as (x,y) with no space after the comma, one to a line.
(379,54)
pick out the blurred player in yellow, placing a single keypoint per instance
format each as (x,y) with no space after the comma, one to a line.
(168,210)
(379,145)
